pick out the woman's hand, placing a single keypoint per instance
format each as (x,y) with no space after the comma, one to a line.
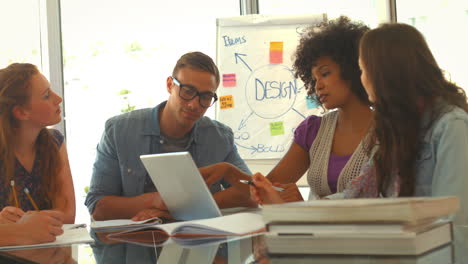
(10,214)
(263,191)
(39,227)
(291,192)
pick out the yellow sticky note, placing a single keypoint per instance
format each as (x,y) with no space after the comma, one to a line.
(276,52)
(277,128)
(226,102)
(278,46)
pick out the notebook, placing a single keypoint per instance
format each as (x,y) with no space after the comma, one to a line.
(72,234)
(197,232)
(397,210)
(122,224)
(181,185)
(405,243)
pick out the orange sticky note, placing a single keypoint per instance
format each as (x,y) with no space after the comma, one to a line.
(226,102)
(276,52)
(229,80)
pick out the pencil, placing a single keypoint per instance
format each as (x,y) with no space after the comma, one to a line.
(12,183)
(279,189)
(31,199)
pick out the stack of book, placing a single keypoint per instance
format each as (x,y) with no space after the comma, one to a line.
(384,226)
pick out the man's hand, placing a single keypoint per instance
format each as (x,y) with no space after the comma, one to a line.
(10,214)
(154,200)
(150,213)
(214,173)
(39,227)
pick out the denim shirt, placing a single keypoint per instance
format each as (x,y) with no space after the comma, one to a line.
(442,168)
(118,169)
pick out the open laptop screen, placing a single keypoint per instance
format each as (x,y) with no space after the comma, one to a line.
(180,185)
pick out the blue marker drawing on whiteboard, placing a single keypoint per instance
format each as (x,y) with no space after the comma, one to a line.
(238,56)
(263,148)
(228,41)
(274,89)
(266,93)
(241,136)
(299,113)
(243,122)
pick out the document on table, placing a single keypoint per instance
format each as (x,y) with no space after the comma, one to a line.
(72,234)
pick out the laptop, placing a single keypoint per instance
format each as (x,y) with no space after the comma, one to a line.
(181,185)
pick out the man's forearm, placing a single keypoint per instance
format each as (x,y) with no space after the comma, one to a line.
(118,207)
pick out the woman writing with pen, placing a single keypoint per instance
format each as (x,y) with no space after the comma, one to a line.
(34,169)
(330,148)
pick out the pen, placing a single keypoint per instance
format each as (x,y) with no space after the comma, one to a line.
(279,189)
(31,199)
(76,226)
(12,183)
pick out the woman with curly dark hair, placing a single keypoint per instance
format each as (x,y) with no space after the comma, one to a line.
(333,147)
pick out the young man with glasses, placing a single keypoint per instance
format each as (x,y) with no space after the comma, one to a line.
(120,186)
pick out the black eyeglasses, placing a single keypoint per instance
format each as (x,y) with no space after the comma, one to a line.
(188,92)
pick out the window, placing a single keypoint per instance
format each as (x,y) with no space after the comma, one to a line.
(117,56)
(367,11)
(20,27)
(443,24)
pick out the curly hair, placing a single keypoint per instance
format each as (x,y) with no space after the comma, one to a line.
(337,39)
(407,83)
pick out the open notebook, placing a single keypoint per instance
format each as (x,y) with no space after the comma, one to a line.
(196,232)
(123,224)
(72,234)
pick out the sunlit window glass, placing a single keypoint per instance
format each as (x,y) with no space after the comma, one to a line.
(443,24)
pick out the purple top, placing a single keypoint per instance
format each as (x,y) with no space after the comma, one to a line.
(304,136)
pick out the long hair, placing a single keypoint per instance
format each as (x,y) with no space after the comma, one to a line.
(15,90)
(406,81)
(337,39)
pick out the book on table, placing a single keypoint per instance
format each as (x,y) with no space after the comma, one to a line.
(371,242)
(195,232)
(368,228)
(123,224)
(384,210)
(441,255)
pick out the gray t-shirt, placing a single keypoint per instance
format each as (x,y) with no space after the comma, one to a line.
(168,145)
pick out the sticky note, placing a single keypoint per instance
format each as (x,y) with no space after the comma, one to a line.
(276,52)
(277,128)
(311,102)
(229,80)
(226,102)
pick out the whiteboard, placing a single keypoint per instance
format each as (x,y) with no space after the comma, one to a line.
(259,98)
